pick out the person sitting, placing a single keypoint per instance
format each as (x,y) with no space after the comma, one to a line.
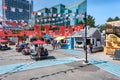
(42,51)
(0,46)
(46,52)
(17,45)
(38,52)
(5,46)
(22,46)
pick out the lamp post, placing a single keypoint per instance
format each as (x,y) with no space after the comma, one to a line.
(85,19)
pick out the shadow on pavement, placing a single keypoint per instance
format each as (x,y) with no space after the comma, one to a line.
(51,57)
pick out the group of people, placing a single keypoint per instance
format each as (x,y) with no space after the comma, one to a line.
(20,46)
(41,51)
(56,44)
(34,48)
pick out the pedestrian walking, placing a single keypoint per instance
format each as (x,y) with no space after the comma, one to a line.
(91,47)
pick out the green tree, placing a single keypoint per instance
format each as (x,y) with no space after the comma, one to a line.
(116,18)
(42,27)
(24,37)
(79,23)
(101,27)
(109,19)
(90,21)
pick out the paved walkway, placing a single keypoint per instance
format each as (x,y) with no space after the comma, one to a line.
(74,56)
(105,65)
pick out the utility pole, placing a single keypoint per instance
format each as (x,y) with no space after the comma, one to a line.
(85,19)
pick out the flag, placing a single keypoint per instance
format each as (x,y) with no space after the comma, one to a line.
(77,28)
(70,30)
(39,13)
(53,19)
(69,19)
(47,29)
(45,20)
(24,24)
(66,34)
(45,14)
(34,12)
(59,15)
(20,10)
(41,20)
(82,26)
(53,26)
(4,7)
(78,16)
(50,14)
(72,14)
(49,19)
(66,15)
(37,20)
(62,30)
(56,32)
(37,30)
(12,9)
(54,15)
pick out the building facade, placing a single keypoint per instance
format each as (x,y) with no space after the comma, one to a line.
(113,27)
(61,14)
(17,9)
(113,23)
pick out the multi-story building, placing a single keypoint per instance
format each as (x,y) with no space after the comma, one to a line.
(17,9)
(61,14)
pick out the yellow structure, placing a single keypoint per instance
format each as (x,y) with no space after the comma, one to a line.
(60,38)
(112,43)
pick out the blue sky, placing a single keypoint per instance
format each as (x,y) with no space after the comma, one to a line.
(101,10)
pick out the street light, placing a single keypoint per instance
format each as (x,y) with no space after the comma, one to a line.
(85,20)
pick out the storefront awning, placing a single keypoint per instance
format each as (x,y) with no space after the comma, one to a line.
(60,38)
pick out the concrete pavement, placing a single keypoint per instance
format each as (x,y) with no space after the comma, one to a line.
(66,71)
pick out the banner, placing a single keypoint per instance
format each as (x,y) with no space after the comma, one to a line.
(70,30)
(47,27)
(56,32)
(37,29)
(62,30)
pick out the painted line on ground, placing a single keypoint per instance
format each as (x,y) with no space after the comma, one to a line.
(6,69)
(107,66)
